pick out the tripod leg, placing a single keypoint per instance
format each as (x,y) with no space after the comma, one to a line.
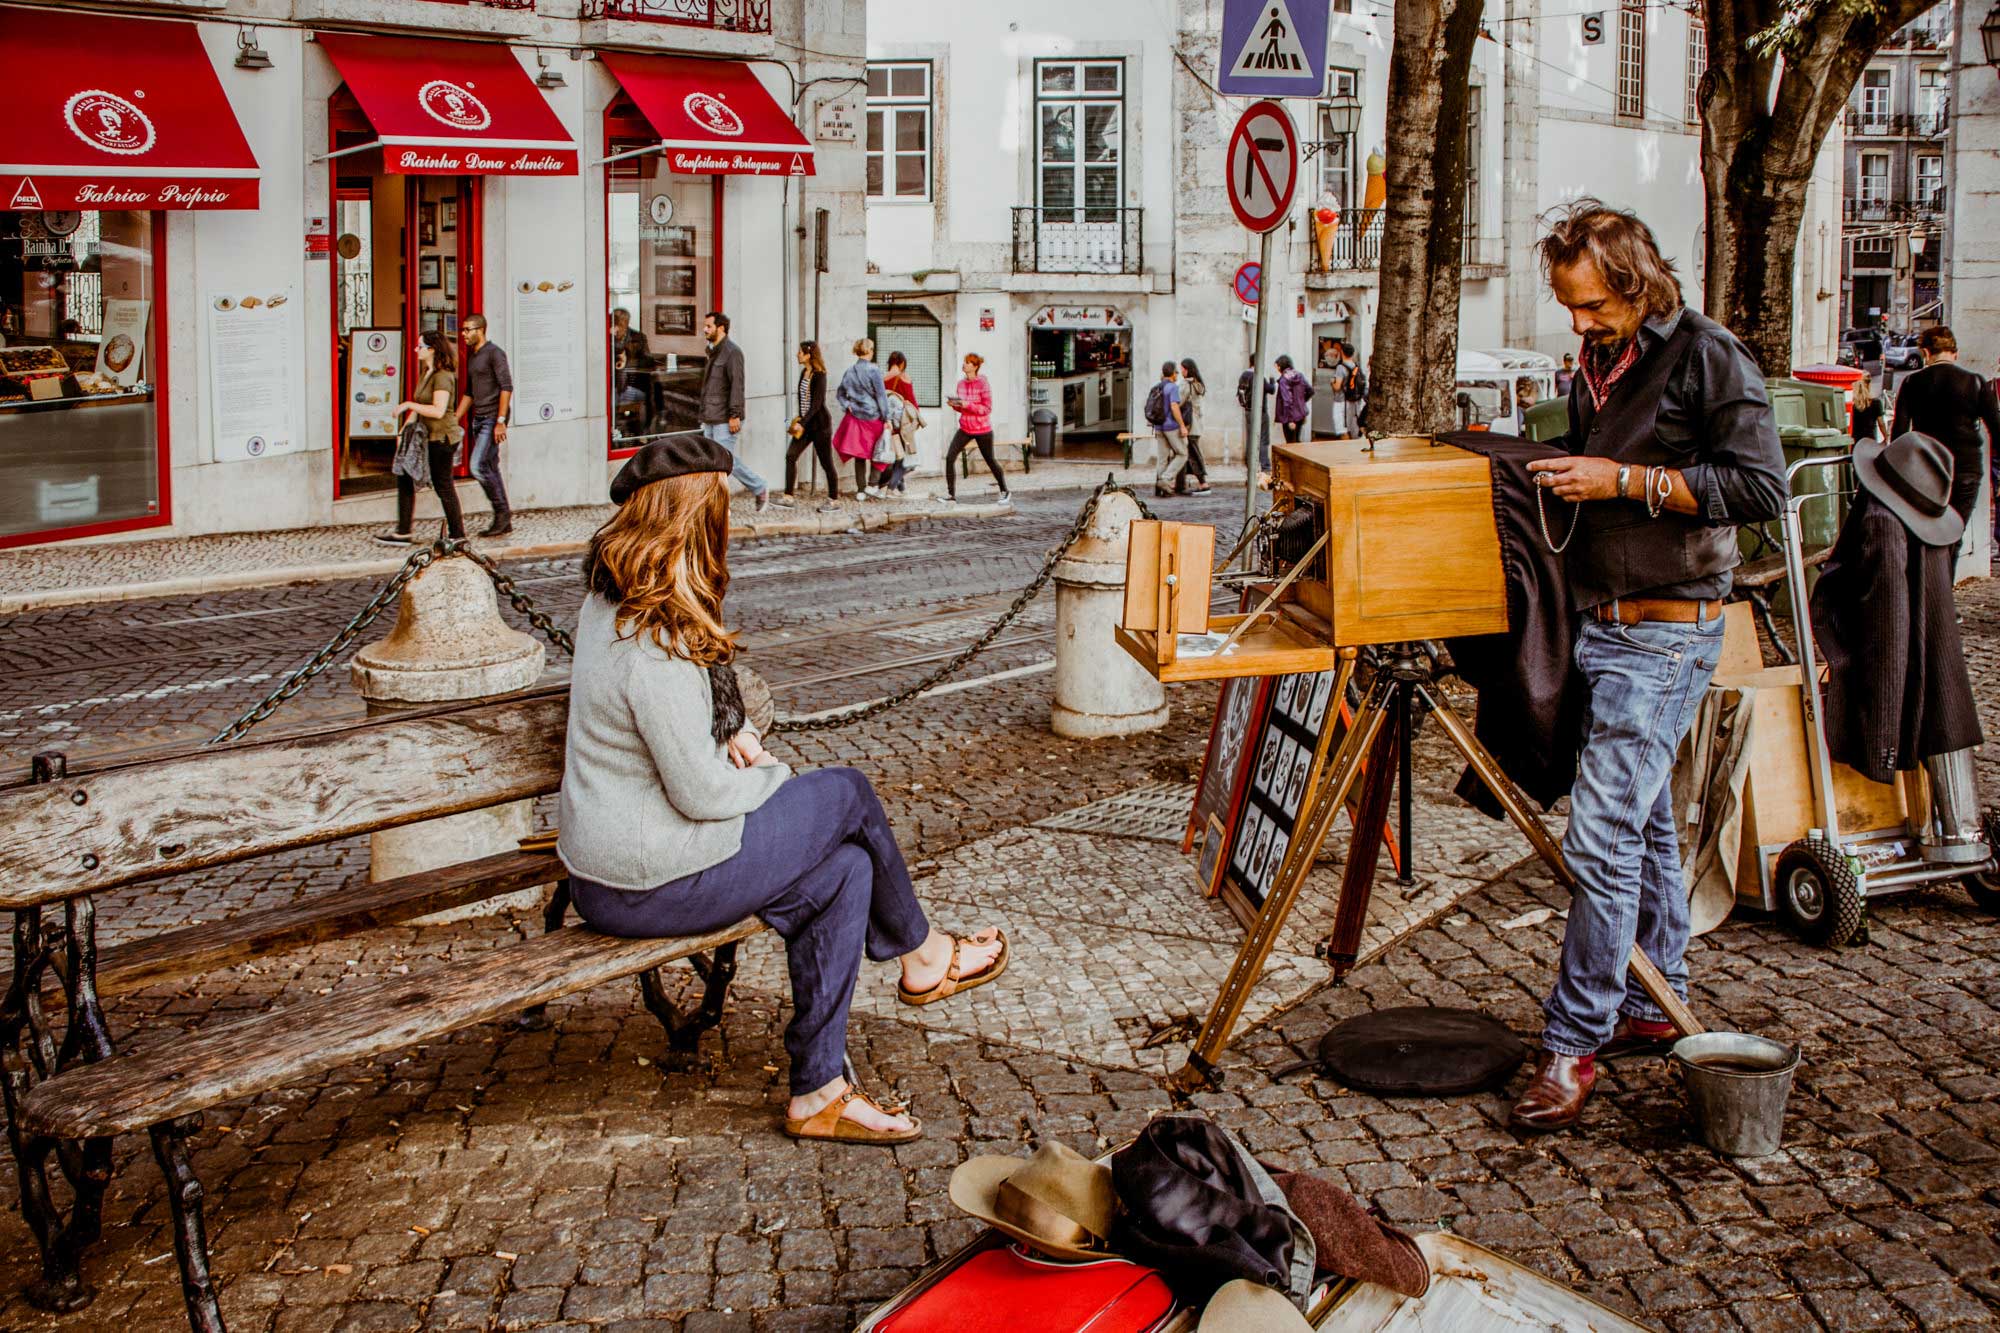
(1406,738)
(1357,882)
(1320,813)
(1651,979)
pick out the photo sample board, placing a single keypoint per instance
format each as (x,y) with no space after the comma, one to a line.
(1292,728)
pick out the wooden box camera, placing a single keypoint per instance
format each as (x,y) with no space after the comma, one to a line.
(1413,550)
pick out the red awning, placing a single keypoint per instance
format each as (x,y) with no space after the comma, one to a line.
(451,108)
(714,117)
(115,113)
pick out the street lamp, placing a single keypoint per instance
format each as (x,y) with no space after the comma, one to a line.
(1989,35)
(1343,112)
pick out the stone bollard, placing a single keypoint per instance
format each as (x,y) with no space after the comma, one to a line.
(449,644)
(1100,689)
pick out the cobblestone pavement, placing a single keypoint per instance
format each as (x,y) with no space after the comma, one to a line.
(556,1180)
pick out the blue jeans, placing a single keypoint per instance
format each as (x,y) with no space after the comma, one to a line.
(1645,682)
(819,864)
(485,462)
(719,432)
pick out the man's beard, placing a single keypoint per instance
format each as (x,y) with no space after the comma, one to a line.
(1610,346)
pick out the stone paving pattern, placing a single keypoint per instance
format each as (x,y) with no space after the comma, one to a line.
(557,1180)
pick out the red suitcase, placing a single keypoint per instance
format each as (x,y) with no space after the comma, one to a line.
(1009,1291)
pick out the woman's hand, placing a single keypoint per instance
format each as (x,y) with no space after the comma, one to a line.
(746,750)
(405,406)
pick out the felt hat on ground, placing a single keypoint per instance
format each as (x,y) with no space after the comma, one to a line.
(1057,1200)
(1912,475)
(1243,1306)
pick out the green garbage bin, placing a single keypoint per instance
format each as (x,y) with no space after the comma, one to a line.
(1548,419)
(1810,425)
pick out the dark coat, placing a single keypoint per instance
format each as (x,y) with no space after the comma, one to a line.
(1949,403)
(722,383)
(1885,619)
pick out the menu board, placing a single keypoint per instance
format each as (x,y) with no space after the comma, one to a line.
(374,382)
(1290,738)
(547,355)
(121,353)
(253,342)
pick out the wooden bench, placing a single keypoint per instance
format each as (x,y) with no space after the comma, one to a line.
(1027,448)
(68,837)
(1753,583)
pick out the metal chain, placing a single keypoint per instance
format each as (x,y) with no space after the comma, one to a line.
(541,622)
(849,716)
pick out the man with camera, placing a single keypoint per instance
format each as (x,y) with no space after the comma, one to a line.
(1672,443)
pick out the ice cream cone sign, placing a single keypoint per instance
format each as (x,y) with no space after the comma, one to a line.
(1378,182)
(1326,226)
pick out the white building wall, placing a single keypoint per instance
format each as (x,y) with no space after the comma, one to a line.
(1971,276)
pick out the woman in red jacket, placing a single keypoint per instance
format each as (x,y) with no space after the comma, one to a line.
(973,401)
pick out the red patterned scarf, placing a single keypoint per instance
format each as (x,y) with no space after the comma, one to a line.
(1600,378)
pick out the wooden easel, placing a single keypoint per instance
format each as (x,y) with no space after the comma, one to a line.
(1379,737)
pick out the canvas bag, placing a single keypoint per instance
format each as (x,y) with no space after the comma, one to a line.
(413,458)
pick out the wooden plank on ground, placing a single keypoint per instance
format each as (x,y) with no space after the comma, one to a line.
(246,1056)
(148,820)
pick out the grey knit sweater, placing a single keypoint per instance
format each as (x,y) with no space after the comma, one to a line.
(647,794)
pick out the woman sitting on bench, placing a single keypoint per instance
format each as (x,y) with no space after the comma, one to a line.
(676,821)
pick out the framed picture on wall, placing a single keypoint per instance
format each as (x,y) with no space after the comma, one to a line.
(430,321)
(448,215)
(429,271)
(673,320)
(451,321)
(427,226)
(675,242)
(673,280)
(451,282)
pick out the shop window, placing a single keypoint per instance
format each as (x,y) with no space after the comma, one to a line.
(899,131)
(1080,139)
(82,442)
(920,339)
(662,266)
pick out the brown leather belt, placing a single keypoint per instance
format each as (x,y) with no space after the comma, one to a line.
(1669,610)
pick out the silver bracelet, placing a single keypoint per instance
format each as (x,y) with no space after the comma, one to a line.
(1624,481)
(1659,489)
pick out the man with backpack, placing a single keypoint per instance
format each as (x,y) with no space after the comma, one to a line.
(1163,418)
(1354,389)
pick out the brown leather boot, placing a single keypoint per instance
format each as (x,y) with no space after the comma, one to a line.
(1638,1036)
(1555,1096)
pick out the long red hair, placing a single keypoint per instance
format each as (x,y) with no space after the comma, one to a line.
(662,559)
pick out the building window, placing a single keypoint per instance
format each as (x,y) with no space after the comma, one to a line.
(1472,154)
(1697,61)
(920,338)
(1874,178)
(1875,100)
(1930,181)
(899,131)
(662,274)
(1931,100)
(1335,152)
(82,439)
(1632,57)
(1080,139)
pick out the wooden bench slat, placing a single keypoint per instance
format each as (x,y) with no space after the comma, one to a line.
(175,954)
(240,1058)
(1764,572)
(168,816)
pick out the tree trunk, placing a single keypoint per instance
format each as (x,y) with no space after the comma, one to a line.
(1415,358)
(1764,117)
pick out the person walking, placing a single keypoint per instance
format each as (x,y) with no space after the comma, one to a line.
(1295,392)
(489,392)
(972,399)
(1672,445)
(864,398)
(1259,424)
(1335,366)
(676,821)
(1193,390)
(896,377)
(1163,415)
(1354,389)
(722,398)
(1949,403)
(1867,411)
(812,428)
(1566,376)
(437,387)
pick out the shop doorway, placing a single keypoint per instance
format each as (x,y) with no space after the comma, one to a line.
(405,261)
(1080,368)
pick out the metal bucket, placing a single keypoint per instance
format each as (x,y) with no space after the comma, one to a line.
(1737,1086)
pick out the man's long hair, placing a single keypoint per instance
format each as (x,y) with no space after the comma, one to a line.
(661,559)
(1619,244)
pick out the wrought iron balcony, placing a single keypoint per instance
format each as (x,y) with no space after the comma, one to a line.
(1078,240)
(491,4)
(1356,243)
(1900,125)
(1865,209)
(727,15)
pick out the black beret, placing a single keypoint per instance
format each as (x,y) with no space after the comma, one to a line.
(673,455)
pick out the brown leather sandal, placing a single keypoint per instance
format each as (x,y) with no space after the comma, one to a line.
(951,983)
(830,1123)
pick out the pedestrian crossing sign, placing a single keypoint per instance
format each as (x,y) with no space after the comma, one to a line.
(1274,48)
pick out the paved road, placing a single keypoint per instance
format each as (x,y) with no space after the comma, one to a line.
(829,620)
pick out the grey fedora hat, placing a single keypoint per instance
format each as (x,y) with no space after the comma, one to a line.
(1912,475)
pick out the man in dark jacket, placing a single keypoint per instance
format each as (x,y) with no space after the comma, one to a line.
(1949,403)
(1672,444)
(722,400)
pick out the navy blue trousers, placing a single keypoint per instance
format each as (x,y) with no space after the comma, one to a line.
(819,865)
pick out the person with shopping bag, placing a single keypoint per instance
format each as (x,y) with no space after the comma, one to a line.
(812,428)
(903,430)
(864,398)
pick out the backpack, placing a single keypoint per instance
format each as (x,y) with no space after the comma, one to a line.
(1156,406)
(1357,384)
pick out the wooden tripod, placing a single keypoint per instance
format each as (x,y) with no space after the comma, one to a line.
(1382,729)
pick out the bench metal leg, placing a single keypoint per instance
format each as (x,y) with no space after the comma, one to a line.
(184,1196)
(537,1018)
(684,1030)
